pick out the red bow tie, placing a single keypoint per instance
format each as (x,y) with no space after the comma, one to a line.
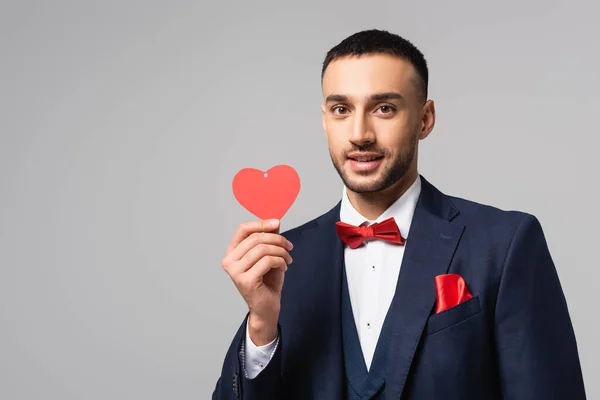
(354,236)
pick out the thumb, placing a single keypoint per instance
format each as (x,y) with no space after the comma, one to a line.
(268,227)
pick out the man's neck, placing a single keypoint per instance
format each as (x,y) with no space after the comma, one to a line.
(372,205)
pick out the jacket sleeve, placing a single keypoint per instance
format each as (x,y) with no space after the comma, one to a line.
(233,383)
(535,340)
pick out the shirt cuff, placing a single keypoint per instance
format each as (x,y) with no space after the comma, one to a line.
(255,358)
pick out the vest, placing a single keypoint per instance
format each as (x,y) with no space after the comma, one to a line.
(361,384)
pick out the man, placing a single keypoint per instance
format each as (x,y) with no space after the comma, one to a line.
(368,308)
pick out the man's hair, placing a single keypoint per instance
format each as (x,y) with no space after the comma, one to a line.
(375,41)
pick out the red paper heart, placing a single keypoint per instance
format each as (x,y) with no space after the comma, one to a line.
(267,194)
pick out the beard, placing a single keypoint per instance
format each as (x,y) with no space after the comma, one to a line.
(391,173)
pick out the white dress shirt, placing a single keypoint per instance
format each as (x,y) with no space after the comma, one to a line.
(372,271)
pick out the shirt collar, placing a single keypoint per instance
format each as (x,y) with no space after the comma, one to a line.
(402,210)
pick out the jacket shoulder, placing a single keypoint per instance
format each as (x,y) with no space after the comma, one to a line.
(492,220)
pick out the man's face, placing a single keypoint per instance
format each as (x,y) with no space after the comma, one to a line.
(372,116)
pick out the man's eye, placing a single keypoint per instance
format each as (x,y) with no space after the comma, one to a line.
(340,109)
(386,109)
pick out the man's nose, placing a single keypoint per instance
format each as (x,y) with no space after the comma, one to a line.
(361,132)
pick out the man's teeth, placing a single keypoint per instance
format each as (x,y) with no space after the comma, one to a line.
(366,159)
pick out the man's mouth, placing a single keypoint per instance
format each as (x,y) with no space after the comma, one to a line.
(364,157)
(364,162)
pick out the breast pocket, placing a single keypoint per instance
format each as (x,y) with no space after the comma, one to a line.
(453,316)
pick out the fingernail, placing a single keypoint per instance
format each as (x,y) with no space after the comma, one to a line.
(273,222)
(290,245)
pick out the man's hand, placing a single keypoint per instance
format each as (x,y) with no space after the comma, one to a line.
(256,261)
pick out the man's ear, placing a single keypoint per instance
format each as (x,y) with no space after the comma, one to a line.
(427,119)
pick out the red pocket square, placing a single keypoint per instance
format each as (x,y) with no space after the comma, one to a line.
(451,291)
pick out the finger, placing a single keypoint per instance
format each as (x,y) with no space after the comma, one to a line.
(254,240)
(264,265)
(245,229)
(261,250)
(257,253)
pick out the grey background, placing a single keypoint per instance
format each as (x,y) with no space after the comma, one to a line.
(122,124)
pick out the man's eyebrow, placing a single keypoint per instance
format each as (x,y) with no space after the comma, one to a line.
(386,96)
(373,97)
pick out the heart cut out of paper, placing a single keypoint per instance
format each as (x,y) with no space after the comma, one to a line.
(267,194)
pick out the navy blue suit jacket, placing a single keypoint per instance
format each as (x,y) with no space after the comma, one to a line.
(512,340)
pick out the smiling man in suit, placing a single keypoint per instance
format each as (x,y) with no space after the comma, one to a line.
(399,290)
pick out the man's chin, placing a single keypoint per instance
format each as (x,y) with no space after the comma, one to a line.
(364,184)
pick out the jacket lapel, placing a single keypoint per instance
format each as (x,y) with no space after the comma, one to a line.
(326,285)
(429,249)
